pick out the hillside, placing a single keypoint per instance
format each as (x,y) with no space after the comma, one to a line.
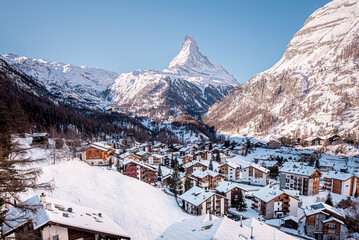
(311,91)
(140,209)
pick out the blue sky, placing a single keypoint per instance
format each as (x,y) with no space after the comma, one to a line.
(245,37)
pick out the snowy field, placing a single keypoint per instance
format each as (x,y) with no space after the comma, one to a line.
(140,209)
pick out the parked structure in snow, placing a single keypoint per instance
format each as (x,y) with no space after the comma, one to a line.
(40,139)
(57,219)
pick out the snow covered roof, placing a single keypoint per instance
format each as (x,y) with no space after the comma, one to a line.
(127,161)
(319,207)
(337,175)
(333,219)
(267,164)
(65,213)
(268,193)
(39,134)
(193,163)
(231,164)
(196,195)
(204,228)
(258,167)
(297,168)
(202,174)
(228,186)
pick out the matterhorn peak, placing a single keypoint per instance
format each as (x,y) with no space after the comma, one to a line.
(190,62)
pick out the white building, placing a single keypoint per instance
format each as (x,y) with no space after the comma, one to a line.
(255,174)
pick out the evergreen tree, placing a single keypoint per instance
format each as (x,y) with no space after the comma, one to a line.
(218,157)
(234,203)
(210,167)
(175,183)
(317,165)
(187,183)
(242,205)
(329,199)
(159,171)
(110,163)
(210,146)
(226,143)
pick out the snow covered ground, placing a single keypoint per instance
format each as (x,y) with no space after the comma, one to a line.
(140,209)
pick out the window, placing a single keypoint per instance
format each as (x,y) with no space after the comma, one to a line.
(55,237)
(331,225)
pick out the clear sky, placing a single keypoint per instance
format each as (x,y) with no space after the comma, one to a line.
(244,36)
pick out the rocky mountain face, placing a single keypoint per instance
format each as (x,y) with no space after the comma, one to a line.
(191,84)
(75,85)
(312,91)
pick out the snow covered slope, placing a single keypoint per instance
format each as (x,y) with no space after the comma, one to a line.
(312,91)
(191,84)
(140,209)
(78,85)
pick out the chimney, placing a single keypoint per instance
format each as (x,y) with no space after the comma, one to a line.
(252,232)
(210,215)
(260,218)
(42,198)
(48,206)
(241,220)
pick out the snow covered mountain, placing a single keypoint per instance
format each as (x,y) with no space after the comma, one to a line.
(76,85)
(191,84)
(312,90)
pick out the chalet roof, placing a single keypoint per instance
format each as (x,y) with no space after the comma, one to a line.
(98,145)
(320,207)
(256,166)
(202,174)
(228,186)
(267,163)
(79,217)
(337,175)
(127,161)
(39,134)
(333,219)
(204,228)
(194,163)
(268,193)
(196,195)
(296,168)
(307,152)
(231,164)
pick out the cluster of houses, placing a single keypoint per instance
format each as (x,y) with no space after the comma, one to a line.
(217,179)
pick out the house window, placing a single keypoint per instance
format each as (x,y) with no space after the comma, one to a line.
(90,151)
(331,225)
(55,237)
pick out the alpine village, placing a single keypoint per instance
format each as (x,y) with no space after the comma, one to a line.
(187,153)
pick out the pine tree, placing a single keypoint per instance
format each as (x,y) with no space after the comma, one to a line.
(210,167)
(317,165)
(187,183)
(329,199)
(242,205)
(159,171)
(17,177)
(175,183)
(234,203)
(210,146)
(218,157)
(356,194)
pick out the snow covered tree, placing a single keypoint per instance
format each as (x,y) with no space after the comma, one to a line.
(17,175)
(329,199)
(210,167)
(242,205)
